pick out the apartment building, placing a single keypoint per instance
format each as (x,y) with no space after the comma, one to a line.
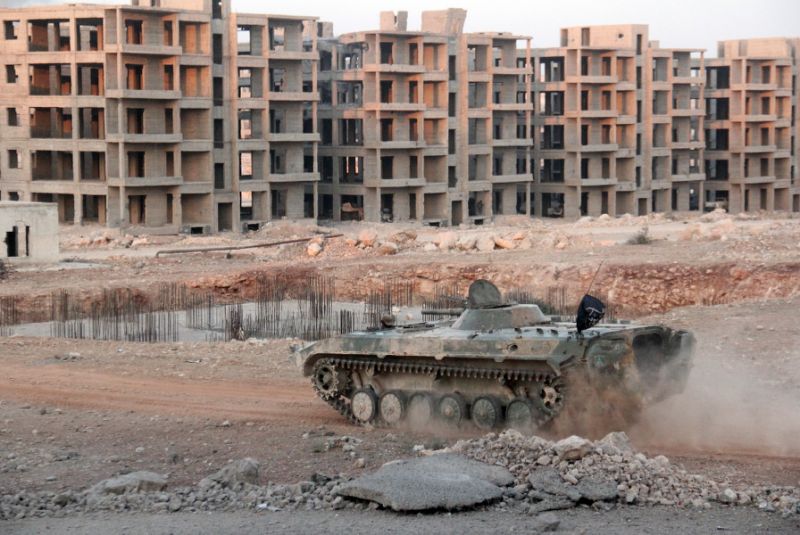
(176,115)
(180,115)
(618,124)
(431,125)
(752,125)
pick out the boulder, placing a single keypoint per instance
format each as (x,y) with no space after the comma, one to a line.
(547,480)
(572,448)
(485,244)
(388,248)
(466,242)
(596,488)
(503,243)
(313,249)
(404,236)
(443,481)
(592,488)
(446,240)
(614,443)
(241,471)
(367,237)
(430,247)
(142,481)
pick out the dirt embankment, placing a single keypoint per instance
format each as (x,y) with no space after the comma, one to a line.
(633,289)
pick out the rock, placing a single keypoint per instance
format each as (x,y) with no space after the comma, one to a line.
(404,236)
(430,247)
(63,499)
(545,522)
(241,471)
(596,488)
(466,242)
(552,503)
(175,504)
(485,244)
(446,240)
(133,482)
(443,481)
(525,244)
(367,237)
(572,448)
(503,243)
(728,496)
(615,443)
(388,248)
(313,249)
(548,481)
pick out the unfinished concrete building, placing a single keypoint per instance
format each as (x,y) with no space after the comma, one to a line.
(430,126)
(180,115)
(176,115)
(752,125)
(618,124)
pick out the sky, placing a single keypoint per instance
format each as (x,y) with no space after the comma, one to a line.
(675,23)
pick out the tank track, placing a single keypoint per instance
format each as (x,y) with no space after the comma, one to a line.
(341,403)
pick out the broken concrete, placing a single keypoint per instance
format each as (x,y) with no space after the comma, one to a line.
(133,482)
(445,481)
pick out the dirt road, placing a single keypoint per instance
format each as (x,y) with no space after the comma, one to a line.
(272,400)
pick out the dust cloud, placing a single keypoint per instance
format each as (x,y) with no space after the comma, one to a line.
(729,406)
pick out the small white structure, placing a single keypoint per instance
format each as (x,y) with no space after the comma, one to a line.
(28,231)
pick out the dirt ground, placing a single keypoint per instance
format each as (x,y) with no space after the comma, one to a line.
(73,412)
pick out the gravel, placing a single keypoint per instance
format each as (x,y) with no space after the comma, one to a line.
(547,476)
(583,471)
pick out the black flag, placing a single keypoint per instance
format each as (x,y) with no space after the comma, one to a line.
(590,312)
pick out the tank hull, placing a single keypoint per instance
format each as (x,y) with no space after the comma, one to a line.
(496,372)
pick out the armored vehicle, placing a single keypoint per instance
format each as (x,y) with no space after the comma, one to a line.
(496,365)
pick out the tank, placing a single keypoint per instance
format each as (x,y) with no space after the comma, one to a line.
(497,365)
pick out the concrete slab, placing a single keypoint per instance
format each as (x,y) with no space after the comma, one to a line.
(445,481)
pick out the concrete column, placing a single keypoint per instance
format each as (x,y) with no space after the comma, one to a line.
(77,209)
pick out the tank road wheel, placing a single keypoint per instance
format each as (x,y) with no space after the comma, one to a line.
(392,406)
(420,409)
(487,413)
(520,414)
(364,405)
(551,396)
(328,380)
(452,409)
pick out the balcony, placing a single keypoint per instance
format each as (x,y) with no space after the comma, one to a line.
(141,50)
(753,180)
(691,176)
(144,94)
(598,79)
(146,181)
(293,177)
(758,149)
(293,137)
(395,106)
(292,96)
(397,68)
(596,182)
(506,179)
(600,147)
(145,138)
(293,55)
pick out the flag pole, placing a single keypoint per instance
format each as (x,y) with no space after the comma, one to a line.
(589,289)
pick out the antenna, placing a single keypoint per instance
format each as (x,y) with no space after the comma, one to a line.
(589,289)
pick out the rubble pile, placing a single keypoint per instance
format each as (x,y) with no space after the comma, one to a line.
(505,472)
(574,470)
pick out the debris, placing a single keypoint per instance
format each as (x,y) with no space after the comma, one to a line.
(443,481)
